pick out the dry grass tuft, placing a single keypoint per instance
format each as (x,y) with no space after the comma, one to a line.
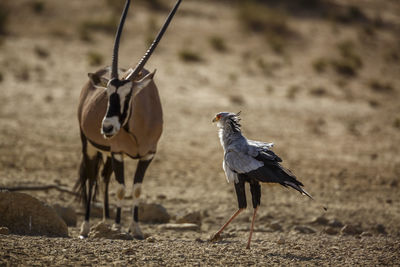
(257,17)
(380,87)
(187,55)
(349,62)
(38,6)
(218,44)
(95,58)
(3,18)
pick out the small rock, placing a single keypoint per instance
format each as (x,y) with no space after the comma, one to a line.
(68,214)
(4,231)
(281,241)
(151,239)
(380,228)
(191,217)
(276,226)
(331,231)
(321,220)
(335,223)
(351,230)
(103,230)
(363,234)
(153,213)
(181,226)
(304,229)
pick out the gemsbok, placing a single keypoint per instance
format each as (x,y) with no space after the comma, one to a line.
(119,117)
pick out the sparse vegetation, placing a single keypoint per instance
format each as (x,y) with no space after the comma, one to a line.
(320,65)
(292,92)
(237,99)
(318,91)
(258,17)
(107,25)
(116,5)
(380,87)
(350,15)
(218,44)
(349,63)
(396,123)
(95,58)
(187,55)
(38,6)
(3,18)
(22,74)
(41,52)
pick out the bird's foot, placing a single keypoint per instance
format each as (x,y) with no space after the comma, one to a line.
(215,237)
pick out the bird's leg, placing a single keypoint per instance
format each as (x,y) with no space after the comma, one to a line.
(216,236)
(255,190)
(241,196)
(252,227)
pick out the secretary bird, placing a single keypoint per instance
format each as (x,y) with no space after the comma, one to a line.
(252,162)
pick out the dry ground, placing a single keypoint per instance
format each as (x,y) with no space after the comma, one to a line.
(338,131)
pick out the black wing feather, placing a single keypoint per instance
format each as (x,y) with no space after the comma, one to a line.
(273,172)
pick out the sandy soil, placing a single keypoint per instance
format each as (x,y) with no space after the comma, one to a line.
(340,134)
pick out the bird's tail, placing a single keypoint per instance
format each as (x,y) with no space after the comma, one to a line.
(297,187)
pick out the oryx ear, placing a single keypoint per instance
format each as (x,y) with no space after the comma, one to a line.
(144,82)
(97,81)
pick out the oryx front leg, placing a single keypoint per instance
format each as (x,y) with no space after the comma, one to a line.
(134,228)
(118,167)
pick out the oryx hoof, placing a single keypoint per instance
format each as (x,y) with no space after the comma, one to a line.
(116,227)
(85,229)
(134,229)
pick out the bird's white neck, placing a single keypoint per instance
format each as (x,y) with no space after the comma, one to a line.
(227,135)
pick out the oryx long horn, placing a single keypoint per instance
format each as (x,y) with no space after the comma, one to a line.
(153,46)
(114,65)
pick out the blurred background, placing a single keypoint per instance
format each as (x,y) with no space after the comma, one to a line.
(319,78)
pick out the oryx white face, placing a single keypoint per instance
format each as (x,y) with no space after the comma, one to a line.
(119,94)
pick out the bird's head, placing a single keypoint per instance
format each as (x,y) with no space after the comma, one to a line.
(227,117)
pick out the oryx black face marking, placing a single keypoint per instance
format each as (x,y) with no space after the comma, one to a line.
(119,94)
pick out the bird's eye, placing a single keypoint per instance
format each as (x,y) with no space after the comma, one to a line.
(219,116)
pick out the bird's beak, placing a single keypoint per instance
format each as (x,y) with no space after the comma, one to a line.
(215,119)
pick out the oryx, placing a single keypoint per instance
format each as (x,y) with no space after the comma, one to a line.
(117,117)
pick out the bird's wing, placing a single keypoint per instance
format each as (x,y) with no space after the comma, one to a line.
(262,151)
(241,162)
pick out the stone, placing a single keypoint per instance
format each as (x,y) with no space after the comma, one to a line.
(351,230)
(4,231)
(25,215)
(276,226)
(281,241)
(153,213)
(304,229)
(181,226)
(105,231)
(364,234)
(321,220)
(380,228)
(331,231)
(335,223)
(68,214)
(190,217)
